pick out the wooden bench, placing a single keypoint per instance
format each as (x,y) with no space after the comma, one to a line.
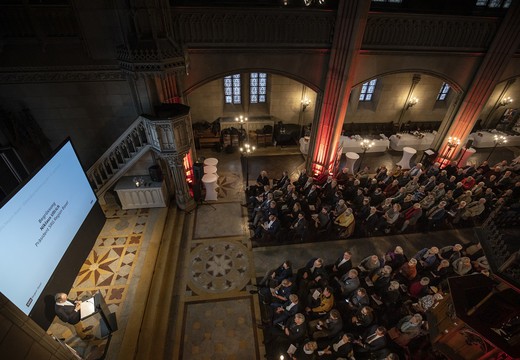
(206,139)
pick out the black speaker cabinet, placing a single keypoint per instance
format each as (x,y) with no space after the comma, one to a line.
(197,190)
(198,171)
(155,173)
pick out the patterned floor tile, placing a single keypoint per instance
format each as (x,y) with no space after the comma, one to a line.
(219,267)
(108,268)
(209,222)
(219,330)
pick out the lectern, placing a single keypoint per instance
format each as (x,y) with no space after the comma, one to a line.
(105,322)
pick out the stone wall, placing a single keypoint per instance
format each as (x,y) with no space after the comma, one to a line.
(93,114)
(21,338)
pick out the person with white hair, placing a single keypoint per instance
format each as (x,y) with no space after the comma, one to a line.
(456,211)
(417,170)
(69,312)
(395,258)
(341,348)
(305,352)
(451,252)
(392,295)
(410,323)
(462,266)
(348,283)
(294,330)
(474,208)
(427,258)
(406,329)
(380,278)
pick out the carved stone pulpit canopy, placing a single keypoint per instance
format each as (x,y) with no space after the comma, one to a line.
(170,129)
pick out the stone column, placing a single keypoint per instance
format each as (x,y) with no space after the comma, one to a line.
(178,173)
(503,47)
(326,130)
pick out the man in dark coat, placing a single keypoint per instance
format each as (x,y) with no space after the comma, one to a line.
(69,312)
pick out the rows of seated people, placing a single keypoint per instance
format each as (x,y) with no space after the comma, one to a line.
(373,310)
(383,202)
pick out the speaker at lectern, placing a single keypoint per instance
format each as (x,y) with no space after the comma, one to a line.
(95,312)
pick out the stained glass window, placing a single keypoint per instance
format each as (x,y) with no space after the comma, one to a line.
(257,88)
(232,89)
(367,90)
(443,92)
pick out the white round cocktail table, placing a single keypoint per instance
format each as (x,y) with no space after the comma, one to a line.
(408,153)
(210,183)
(352,157)
(210,169)
(466,154)
(211,161)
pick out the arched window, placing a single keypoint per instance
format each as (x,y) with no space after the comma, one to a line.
(367,90)
(257,88)
(232,89)
(443,92)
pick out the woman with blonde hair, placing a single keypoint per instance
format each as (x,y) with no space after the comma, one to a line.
(346,223)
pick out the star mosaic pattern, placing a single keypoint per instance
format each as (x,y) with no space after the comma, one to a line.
(230,187)
(108,269)
(219,267)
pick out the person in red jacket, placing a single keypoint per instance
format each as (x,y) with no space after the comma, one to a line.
(468,183)
(411,216)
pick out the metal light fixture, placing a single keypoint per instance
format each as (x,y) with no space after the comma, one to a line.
(499,140)
(505,101)
(413,101)
(365,145)
(246,151)
(453,141)
(452,144)
(305,103)
(241,119)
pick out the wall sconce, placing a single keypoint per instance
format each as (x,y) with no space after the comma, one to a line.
(505,101)
(412,102)
(305,102)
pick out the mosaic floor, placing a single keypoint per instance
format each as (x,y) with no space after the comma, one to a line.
(219,313)
(109,269)
(219,330)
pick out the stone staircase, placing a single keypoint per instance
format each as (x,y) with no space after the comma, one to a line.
(120,157)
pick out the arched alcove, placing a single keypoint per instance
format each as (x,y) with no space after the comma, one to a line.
(284,97)
(391,100)
(501,109)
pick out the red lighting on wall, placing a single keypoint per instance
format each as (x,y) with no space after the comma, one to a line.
(188,167)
